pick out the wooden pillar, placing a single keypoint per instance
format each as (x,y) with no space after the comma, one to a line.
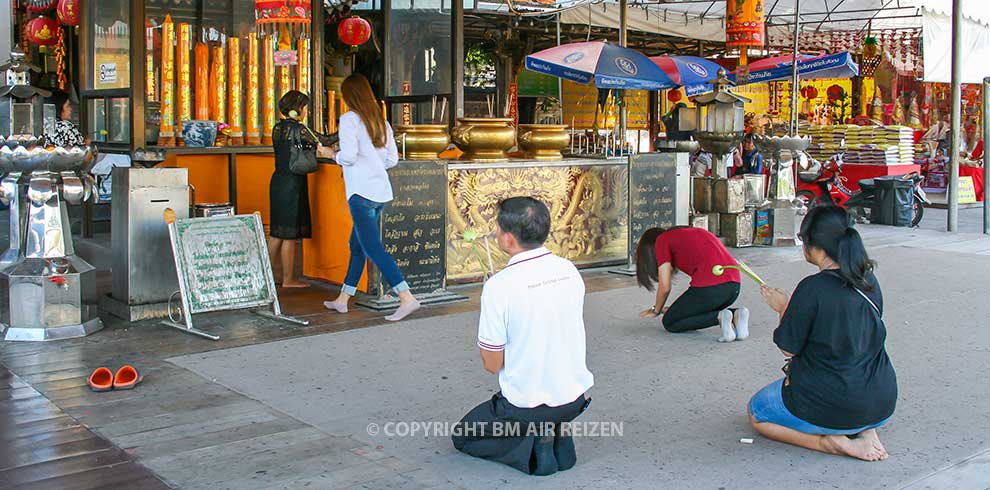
(457,61)
(138,74)
(316,94)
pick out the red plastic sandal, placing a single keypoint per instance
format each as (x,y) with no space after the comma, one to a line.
(127,378)
(101,380)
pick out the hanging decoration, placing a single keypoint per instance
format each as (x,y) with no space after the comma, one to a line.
(39,5)
(744,29)
(354,31)
(63,79)
(68,12)
(674,96)
(41,31)
(871,57)
(270,15)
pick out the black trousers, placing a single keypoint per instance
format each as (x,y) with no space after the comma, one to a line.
(698,308)
(527,439)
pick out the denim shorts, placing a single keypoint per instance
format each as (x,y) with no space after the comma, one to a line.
(767,405)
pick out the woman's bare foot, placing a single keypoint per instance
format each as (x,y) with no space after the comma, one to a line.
(294,284)
(859,448)
(872,436)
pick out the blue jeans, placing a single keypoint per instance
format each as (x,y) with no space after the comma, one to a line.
(767,405)
(365,243)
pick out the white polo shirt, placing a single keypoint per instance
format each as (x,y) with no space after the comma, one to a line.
(534,311)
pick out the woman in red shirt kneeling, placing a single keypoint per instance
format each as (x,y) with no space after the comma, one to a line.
(706,303)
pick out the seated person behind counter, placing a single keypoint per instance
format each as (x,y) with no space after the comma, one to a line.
(531,312)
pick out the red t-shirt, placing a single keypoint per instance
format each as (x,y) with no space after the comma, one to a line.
(695,252)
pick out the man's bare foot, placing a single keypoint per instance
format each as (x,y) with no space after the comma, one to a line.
(859,448)
(294,284)
(872,436)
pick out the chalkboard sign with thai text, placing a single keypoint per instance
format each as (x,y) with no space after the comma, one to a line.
(414,224)
(652,193)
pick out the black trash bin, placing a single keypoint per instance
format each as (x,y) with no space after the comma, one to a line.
(893,201)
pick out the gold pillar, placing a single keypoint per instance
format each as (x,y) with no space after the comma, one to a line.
(236,116)
(218,86)
(251,122)
(201,57)
(150,92)
(302,76)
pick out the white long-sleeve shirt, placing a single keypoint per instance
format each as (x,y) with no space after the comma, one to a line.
(364,165)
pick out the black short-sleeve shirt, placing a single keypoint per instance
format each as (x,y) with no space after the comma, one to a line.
(840,377)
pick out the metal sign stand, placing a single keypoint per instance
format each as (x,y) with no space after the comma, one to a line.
(187,310)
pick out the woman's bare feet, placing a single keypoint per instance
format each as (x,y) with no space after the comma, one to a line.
(294,284)
(872,436)
(860,447)
(404,310)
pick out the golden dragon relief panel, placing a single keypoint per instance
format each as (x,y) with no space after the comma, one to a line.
(588,212)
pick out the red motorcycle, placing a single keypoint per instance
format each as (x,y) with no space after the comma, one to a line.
(824,184)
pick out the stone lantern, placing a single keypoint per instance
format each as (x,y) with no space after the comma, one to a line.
(23,112)
(718,121)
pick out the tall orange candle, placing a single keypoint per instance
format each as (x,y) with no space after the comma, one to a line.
(331,111)
(269,95)
(150,92)
(167,133)
(218,86)
(302,75)
(284,76)
(185,76)
(201,57)
(235,115)
(251,121)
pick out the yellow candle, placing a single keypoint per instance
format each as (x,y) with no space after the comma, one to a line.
(185,77)
(269,95)
(167,134)
(149,66)
(251,122)
(218,86)
(384,114)
(201,55)
(302,77)
(332,111)
(236,117)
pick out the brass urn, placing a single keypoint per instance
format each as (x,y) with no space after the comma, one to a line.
(543,141)
(421,141)
(484,139)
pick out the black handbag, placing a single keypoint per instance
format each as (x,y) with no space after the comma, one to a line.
(302,156)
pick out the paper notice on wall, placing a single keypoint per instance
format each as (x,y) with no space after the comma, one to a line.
(107,73)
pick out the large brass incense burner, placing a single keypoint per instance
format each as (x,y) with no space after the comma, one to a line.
(422,141)
(484,139)
(543,142)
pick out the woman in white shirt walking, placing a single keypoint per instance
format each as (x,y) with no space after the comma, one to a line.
(367,150)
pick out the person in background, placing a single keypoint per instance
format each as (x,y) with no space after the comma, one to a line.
(752,160)
(367,151)
(706,303)
(839,384)
(65,134)
(937,136)
(289,192)
(531,333)
(701,162)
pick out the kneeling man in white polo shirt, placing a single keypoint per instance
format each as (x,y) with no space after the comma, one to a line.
(531,333)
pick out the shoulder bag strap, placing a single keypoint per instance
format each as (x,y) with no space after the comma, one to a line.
(870,301)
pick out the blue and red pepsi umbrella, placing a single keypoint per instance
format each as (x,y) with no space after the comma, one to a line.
(604,64)
(691,72)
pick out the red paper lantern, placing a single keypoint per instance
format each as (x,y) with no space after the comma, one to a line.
(354,31)
(835,92)
(674,96)
(41,31)
(68,12)
(39,5)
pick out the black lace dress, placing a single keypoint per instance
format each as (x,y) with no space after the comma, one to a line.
(289,193)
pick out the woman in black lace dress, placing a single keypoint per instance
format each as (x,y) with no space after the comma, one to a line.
(64,134)
(289,192)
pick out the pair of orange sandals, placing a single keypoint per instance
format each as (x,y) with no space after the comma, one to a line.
(126,378)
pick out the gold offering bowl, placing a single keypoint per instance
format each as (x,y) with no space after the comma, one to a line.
(422,141)
(484,139)
(543,141)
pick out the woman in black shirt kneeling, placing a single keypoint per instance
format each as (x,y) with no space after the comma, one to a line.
(840,385)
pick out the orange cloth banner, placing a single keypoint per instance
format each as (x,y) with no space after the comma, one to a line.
(201,55)
(252,119)
(236,92)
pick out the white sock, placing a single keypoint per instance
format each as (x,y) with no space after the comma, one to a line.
(741,322)
(725,321)
(403,311)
